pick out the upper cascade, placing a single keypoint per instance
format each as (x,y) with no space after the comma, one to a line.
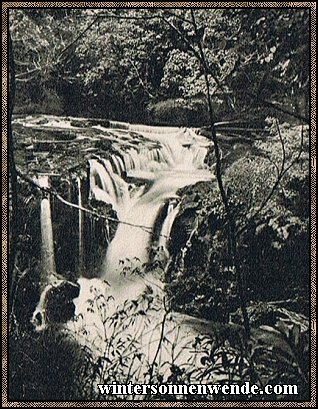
(139,180)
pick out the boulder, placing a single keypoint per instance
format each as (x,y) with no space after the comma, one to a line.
(56,303)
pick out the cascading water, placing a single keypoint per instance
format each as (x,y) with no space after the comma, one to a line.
(138,181)
(126,325)
(172,211)
(47,243)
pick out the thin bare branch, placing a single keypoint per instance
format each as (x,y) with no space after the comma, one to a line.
(76,39)
(281,174)
(162,334)
(231,222)
(140,79)
(283,146)
(184,19)
(28,72)
(13,181)
(51,192)
(120,17)
(277,107)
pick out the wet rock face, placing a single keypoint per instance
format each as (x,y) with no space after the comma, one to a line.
(56,304)
(181,230)
(184,222)
(83,122)
(59,304)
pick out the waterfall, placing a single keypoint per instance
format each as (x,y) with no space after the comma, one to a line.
(140,178)
(172,211)
(47,244)
(138,181)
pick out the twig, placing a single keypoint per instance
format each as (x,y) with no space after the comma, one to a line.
(158,348)
(49,191)
(25,79)
(30,72)
(14,295)
(140,79)
(184,19)
(232,225)
(201,57)
(280,176)
(124,17)
(57,59)
(76,39)
(283,147)
(275,106)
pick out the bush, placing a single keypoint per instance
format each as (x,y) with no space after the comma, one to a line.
(273,252)
(47,101)
(200,279)
(46,366)
(180,112)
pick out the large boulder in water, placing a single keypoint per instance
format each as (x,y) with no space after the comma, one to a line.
(56,303)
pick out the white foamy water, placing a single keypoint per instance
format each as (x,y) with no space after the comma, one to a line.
(177,160)
(165,160)
(123,318)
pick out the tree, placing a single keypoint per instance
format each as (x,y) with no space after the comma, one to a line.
(135,58)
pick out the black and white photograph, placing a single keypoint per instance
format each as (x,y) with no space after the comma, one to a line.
(158,185)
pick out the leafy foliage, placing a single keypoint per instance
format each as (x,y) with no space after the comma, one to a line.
(142,341)
(273,247)
(99,61)
(46,366)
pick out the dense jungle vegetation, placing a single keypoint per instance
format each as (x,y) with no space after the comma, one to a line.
(239,248)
